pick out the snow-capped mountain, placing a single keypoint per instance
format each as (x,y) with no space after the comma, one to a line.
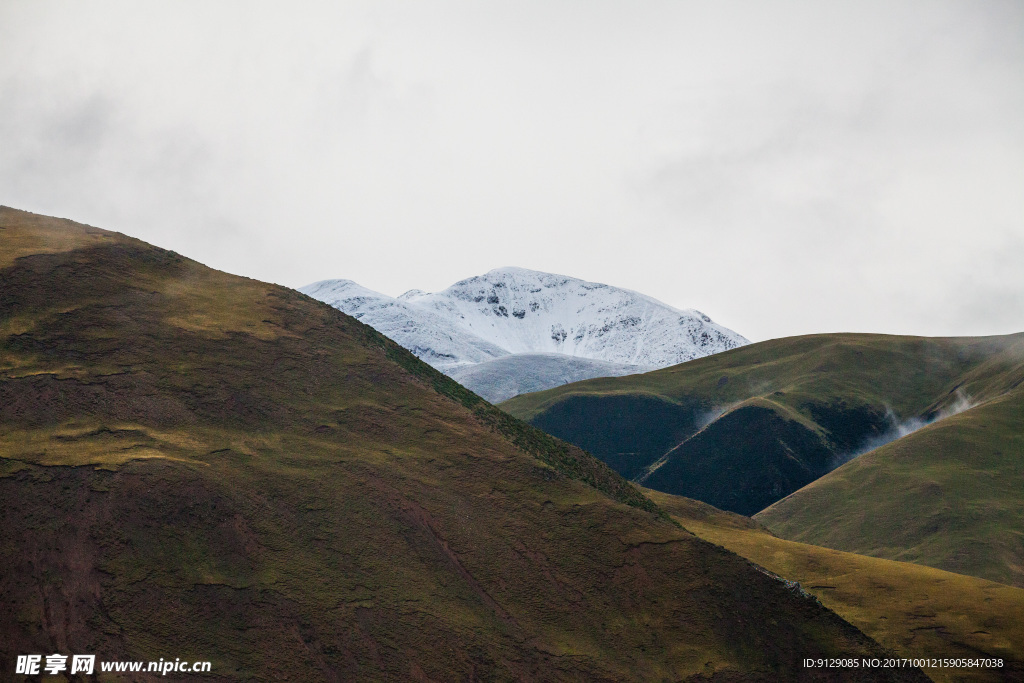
(432,337)
(514,311)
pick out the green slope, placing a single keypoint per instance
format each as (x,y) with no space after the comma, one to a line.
(948,496)
(202,466)
(744,428)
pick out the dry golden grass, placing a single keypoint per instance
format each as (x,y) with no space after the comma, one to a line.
(914,610)
(34,234)
(101,445)
(213,303)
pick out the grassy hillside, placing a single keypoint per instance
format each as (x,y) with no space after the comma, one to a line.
(919,612)
(744,428)
(203,466)
(948,496)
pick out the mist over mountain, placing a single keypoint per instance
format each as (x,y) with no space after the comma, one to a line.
(548,329)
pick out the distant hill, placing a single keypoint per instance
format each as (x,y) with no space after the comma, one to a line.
(948,495)
(743,429)
(534,330)
(203,466)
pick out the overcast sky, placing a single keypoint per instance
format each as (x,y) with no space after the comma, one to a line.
(785,167)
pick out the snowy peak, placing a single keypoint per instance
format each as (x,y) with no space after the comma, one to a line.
(518,311)
(526,311)
(431,338)
(329,291)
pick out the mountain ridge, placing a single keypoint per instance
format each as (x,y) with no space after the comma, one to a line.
(204,466)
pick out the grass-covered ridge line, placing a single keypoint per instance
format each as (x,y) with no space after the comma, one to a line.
(563,457)
(911,375)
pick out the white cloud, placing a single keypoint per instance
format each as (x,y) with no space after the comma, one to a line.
(787,167)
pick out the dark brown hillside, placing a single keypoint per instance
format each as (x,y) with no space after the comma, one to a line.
(198,465)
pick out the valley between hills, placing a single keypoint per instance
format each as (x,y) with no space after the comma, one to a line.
(201,465)
(905,448)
